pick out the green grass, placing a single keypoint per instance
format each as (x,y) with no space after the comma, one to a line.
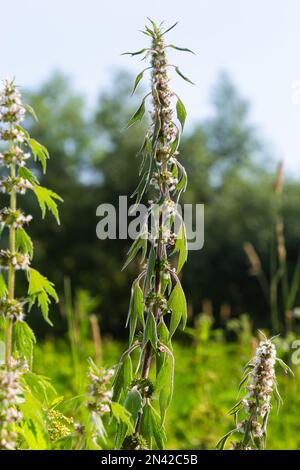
(206,383)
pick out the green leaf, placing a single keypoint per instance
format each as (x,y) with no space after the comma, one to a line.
(171,27)
(183,76)
(138,244)
(136,310)
(122,416)
(31,111)
(150,268)
(150,333)
(165,384)
(182,183)
(23,242)
(177,304)
(182,49)
(23,340)
(3,287)
(141,188)
(39,152)
(135,53)
(138,79)
(284,366)
(133,403)
(137,115)
(40,388)
(46,199)
(222,442)
(181,112)
(151,427)
(40,290)
(122,378)
(27,175)
(181,247)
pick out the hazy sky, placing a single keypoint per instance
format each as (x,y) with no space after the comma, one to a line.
(255,41)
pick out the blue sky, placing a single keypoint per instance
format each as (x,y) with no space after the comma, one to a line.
(255,41)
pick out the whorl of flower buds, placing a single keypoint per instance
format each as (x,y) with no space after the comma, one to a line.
(14,155)
(10,392)
(17,260)
(13,218)
(17,183)
(11,109)
(12,308)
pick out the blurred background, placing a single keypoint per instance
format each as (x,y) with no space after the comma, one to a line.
(240,150)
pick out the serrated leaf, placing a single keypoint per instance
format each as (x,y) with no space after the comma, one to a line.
(121,414)
(151,427)
(27,175)
(39,152)
(177,304)
(181,112)
(46,198)
(40,290)
(138,244)
(183,76)
(23,242)
(23,340)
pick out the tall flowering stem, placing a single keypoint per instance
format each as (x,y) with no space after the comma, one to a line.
(252,412)
(157,298)
(16,148)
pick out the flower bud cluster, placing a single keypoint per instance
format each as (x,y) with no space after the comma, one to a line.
(13,218)
(11,109)
(99,397)
(18,260)
(14,155)
(13,308)
(257,403)
(10,393)
(17,183)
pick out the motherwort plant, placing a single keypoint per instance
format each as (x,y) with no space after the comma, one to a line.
(157,304)
(251,413)
(16,148)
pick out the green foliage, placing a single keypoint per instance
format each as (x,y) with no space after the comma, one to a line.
(46,199)
(39,152)
(23,340)
(40,290)
(178,307)
(24,242)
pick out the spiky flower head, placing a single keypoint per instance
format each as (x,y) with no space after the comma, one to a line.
(252,411)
